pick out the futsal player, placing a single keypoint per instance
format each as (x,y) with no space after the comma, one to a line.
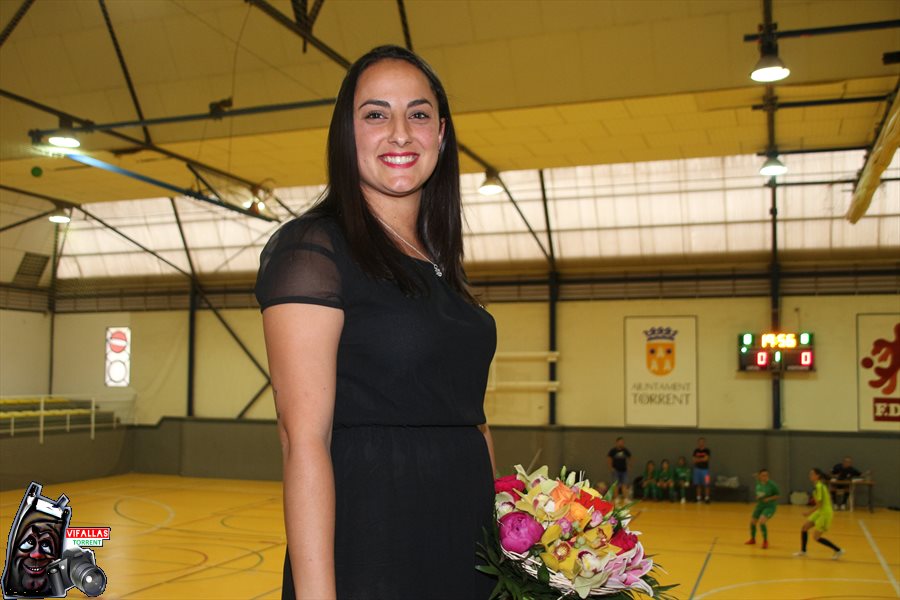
(819,517)
(766,502)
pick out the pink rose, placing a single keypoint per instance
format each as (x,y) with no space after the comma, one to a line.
(508,484)
(624,540)
(519,532)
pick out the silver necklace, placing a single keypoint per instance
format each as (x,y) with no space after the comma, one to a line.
(437,269)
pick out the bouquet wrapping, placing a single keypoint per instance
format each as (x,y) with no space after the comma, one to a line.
(560,538)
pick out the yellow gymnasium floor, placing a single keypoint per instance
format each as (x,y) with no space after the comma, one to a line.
(175,537)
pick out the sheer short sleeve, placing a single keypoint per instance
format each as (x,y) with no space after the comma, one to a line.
(298,265)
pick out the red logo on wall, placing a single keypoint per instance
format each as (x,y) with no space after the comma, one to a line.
(884,361)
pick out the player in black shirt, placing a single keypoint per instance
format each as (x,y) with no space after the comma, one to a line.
(701,468)
(619,458)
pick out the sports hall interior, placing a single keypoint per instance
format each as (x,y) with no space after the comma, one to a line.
(627,137)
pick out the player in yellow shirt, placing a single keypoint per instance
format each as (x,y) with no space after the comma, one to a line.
(820,516)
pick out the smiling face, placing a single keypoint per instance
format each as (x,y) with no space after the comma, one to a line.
(397,128)
(36,547)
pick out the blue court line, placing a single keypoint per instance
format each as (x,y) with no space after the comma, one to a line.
(702,570)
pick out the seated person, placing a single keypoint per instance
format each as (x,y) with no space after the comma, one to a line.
(648,483)
(682,477)
(665,481)
(843,471)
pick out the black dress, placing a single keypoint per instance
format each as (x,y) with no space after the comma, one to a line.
(413,479)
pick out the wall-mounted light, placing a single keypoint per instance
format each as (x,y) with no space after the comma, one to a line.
(491,184)
(772,167)
(59,216)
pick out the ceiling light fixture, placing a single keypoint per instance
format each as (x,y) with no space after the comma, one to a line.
(491,185)
(769,67)
(773,167)
(59,216)
(64,137)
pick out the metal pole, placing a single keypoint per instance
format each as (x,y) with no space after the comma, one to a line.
(554,299)
(553,287)
(51,304)
(192,312)
(775,303)
(192,348)
(851,28)
(210,116)
(14,21)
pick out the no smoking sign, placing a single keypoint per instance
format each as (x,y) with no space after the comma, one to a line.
(118,356)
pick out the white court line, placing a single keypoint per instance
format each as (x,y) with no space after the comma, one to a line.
(780,581)
(883,562)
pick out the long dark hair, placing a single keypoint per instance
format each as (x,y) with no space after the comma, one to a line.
(439,224)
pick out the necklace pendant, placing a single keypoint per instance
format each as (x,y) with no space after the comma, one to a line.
(437,270)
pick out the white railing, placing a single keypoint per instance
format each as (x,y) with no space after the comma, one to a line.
(49,406)
(494,386)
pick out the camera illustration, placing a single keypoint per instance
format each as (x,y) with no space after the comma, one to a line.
(77,568)
(40,561)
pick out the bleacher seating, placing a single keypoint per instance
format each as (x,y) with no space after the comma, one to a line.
(23,415)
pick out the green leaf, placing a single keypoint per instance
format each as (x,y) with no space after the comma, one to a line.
(543,574)
(488,569)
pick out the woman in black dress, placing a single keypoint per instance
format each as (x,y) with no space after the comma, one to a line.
(379,355)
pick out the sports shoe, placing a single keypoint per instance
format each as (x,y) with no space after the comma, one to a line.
(707,500)
(765,544)
(837,555)
(750,542)
(800,553)
(683,500)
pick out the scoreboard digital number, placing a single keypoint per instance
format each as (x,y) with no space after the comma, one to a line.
(776,352)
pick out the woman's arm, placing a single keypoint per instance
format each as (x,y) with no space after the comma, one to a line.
(301,343)
(489,440)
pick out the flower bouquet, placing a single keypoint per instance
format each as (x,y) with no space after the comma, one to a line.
(560,538)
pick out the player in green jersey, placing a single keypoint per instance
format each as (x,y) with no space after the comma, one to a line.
(766,502)
(682,476)
(648,484)
(820,516)
(665,481)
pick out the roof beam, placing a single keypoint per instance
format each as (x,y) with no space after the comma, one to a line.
(887,141)
(404,24)
(125,72)
(285,21)
(136,141)
(14,21)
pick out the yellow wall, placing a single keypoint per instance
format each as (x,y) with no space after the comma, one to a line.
(591,368)
(592,371)
(225,378)
(24,353)
(158,360)
(827,399)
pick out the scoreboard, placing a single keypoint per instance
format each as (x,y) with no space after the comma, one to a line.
(773,351)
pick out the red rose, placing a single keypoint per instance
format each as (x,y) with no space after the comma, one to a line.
(624,540)
(598,504)
(519,532)
(508,484)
